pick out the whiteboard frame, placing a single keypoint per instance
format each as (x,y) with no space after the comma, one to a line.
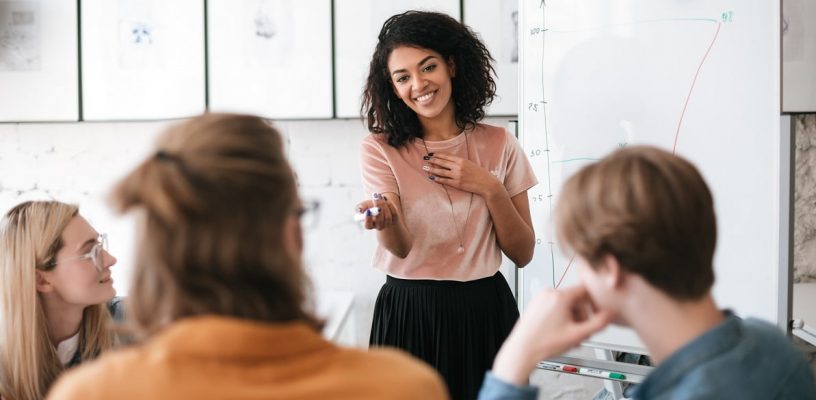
(787,180)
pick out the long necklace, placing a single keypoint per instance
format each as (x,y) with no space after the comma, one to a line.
(461,233)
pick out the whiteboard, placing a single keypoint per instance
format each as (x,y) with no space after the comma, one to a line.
(142,59)
(798,56)
(496,22)
(700,78)
(270,58)
(357,24)
(39,75)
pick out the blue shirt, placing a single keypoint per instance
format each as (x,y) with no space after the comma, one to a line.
(737,359)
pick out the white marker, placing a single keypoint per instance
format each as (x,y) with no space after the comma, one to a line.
(373,211)
(551,367)
(601,374)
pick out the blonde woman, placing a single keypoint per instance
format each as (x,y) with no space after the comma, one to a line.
(219,293)
(55,282)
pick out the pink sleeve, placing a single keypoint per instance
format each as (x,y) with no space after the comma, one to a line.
(520,175)
(378,177)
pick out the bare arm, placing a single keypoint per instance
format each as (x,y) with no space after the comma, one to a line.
(391,230)
(552,323)
(513,224)
(511,216)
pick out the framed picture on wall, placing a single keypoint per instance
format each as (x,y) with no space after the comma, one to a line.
(271,57)
(142,59)
(357,24)
(39,78)
(496,22)
(798,56)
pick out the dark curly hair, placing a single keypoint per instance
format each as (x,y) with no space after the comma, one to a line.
(473,86)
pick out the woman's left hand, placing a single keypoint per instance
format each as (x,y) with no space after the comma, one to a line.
(461,174)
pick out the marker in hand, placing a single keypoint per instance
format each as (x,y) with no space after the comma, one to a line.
(371,212)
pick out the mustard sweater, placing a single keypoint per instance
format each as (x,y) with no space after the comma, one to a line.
(225,358)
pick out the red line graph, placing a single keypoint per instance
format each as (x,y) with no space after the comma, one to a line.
(679,123)
(691,89)
(565,272)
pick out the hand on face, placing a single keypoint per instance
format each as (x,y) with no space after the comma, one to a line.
(461,174)
(387,216)
(552,323)
(561,319)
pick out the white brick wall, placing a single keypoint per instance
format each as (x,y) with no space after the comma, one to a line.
(76,163)
(79,162)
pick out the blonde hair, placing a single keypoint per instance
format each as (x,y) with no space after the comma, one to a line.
(213,202)
(650,209)
(30,237)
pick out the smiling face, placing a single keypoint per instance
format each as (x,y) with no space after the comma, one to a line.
(75,280)
(422,79)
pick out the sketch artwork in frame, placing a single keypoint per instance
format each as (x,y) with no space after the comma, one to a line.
(38,72)
(496,22)
(798,56)
(270,58)
(357,24)
(142,59)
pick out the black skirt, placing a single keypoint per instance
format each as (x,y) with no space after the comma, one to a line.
(456,327)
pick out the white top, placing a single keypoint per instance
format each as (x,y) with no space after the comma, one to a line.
(67,348)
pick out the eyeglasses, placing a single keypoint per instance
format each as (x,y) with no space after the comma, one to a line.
(309,213)
(95,255)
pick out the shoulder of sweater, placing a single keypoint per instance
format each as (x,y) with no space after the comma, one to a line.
(409,367)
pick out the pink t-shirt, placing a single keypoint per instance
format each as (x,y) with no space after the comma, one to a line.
(426,209)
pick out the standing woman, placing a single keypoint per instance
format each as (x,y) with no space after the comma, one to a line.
(56,296)
(452,195)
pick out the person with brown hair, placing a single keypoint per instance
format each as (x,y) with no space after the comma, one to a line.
(642,226)
(56,296)
(219,298)
(451,193)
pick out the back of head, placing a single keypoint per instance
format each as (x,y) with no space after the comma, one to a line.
(648,208)
(473,85)
(30,237)
(213,203)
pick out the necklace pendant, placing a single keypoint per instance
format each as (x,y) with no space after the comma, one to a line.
(461,249)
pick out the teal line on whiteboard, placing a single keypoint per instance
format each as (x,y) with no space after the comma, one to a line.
(648,21)
(576,159)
